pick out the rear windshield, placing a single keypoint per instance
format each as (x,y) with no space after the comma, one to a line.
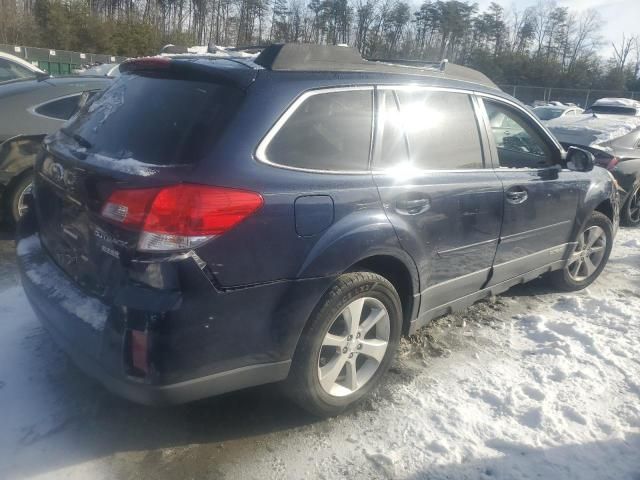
(611,110)
(544,113)
(159,121)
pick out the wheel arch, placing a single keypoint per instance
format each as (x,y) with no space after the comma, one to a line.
(397,272)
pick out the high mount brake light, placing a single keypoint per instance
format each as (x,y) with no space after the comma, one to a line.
(146,63)
(182,216)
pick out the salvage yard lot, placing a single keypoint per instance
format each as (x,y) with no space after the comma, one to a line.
(533,384)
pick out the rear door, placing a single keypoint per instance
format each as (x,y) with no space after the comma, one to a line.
(445,205)
(540,197)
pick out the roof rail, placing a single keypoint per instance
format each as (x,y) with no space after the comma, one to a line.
(334,58)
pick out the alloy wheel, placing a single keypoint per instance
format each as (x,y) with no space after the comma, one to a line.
(588,254)
(354,346)
(22,204)
(633,207)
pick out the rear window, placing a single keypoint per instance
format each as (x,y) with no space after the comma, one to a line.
(159,121)
(328,131)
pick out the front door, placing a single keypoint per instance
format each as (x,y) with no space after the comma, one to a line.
(540,198)
(445,206)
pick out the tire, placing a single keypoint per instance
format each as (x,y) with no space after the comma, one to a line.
(15,197)
(630,215)
(315,391)
(588,259)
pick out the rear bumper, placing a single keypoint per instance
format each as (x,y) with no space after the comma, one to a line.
(211,342)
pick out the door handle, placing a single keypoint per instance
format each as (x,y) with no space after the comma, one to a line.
(413,207)
(516,195)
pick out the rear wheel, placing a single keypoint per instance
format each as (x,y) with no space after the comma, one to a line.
(631,210)
(589,257)
(348,345)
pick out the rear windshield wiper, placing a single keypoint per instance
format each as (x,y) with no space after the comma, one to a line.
(83,142)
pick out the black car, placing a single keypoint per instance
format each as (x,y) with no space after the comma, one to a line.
(614,140)
(207,225)
(30,109)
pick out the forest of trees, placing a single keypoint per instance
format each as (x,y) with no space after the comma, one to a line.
(544,45)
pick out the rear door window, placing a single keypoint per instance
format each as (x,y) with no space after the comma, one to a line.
(155,120)
(439,127)
(328,131)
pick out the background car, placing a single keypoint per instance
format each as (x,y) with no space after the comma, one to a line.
(106,69)
(615,106)
(31,109)
(14,68)
(549,112)
(615,142)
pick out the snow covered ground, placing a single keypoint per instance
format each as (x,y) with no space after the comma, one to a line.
(535,384)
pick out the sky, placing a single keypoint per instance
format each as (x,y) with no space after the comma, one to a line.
(619,15)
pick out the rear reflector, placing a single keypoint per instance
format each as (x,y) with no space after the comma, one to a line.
(181,216)
(139,351)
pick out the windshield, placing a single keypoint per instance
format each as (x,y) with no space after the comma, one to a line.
(546,113)
(154,120)
(12,71)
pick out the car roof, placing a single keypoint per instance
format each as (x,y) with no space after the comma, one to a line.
(336,59)
(321,63)
(617,102)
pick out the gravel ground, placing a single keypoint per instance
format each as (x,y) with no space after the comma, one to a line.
(533,384)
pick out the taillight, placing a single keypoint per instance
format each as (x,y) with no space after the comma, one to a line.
(606,161)
(181,216)
(612,163)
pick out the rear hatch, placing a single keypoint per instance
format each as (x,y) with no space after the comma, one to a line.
(146,132)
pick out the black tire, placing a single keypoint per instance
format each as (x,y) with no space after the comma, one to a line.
(563,279)
(303,384)
(14,195)
(630,215)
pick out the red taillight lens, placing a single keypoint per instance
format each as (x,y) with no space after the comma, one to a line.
(612,163)
(607,161)
(196,210)
(180,216)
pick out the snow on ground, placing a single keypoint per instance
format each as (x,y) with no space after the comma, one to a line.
(534,384)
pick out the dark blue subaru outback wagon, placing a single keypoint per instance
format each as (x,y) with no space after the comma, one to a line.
(206,225)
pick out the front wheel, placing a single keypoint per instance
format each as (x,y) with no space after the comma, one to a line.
(631,210)
(589,257)
(17,199)
(348,344)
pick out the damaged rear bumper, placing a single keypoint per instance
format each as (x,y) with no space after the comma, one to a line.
(208,342)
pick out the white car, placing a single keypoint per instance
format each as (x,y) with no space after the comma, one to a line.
(549,112)
(13,68)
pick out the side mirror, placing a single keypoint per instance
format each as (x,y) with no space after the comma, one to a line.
(580,160)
